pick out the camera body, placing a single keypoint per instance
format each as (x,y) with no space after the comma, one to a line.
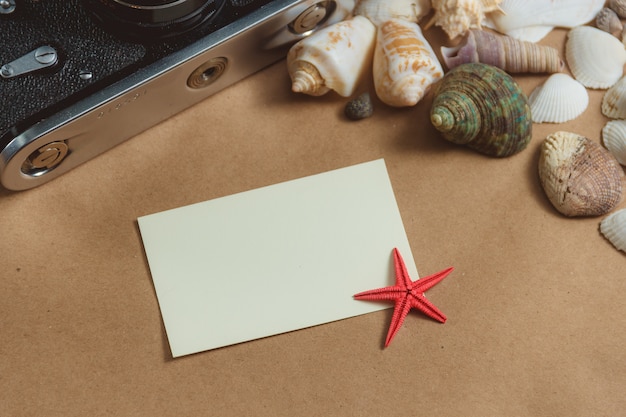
(75,83)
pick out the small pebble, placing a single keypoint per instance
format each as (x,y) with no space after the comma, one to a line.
(360,107)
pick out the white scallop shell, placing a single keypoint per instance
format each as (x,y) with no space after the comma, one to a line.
(613,227)
(596,58)
(560,99)
(614,139)
(531,20)
(614,100)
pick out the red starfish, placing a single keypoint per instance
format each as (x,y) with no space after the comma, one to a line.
(406,295)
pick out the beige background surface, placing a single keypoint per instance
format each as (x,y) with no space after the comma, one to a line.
(536,311)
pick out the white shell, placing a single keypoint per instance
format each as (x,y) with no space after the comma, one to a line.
(614,139)
(456,17)
(378,11)
(614,100)
(531,20)
(596,58)
(405,65)
(613,227)
(333,58)
(560,99)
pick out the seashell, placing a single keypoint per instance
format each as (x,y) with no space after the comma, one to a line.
(579,176)
(559,99)
(405,65)
(614,139)
(334,58)
(509,54)
(614,100)
(379,11)
(619,7)
(484,108)
(456,17)
(359,108)
(596,58)
(531,20)
(613,227)
(608,21)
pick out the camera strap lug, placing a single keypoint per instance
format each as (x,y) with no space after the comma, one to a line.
(40,58)
(7,6)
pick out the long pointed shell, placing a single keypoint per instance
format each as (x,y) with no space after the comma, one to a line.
(405,65)
(613,227)
(509,54)
(595,57)
(531,20)
(378,11)
(559,99)
(333,58)
(579,177)
(456,17)
(484,108)
(614,139)
(614,100)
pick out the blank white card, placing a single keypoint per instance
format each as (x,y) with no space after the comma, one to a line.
(275,259)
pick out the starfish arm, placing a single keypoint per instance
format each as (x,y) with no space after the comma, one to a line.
(403,279)
(426,283)
(386,293)
(400,311)
(425,306)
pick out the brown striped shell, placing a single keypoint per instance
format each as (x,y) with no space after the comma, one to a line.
(579,177)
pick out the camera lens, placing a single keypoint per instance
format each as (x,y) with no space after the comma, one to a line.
(150,19)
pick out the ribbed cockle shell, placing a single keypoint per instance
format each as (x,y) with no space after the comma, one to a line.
(505,52)
(484,108)
(405,65)
(333,58)
(579,177)
(613,228)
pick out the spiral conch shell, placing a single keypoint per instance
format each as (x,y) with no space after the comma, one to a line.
(333,58)
(484,108)
(509,54)
(405,65)
(456,17)
(579,177)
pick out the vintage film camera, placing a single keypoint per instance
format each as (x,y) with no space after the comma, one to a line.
(79,77)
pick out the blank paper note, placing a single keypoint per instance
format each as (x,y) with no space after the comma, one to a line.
(275,259)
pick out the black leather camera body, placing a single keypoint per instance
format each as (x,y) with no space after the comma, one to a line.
(79,77)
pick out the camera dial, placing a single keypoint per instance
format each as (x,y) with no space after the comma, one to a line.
(150,19)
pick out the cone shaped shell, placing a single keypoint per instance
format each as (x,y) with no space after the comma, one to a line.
(405,65)
(482,107)
(560,99)
(614,139)
(531,20)
(579,177)
(614,100)
(613,227)
(333,58)
(595,57)
(509,54)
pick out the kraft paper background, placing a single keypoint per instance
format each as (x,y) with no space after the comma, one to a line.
(535,306)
